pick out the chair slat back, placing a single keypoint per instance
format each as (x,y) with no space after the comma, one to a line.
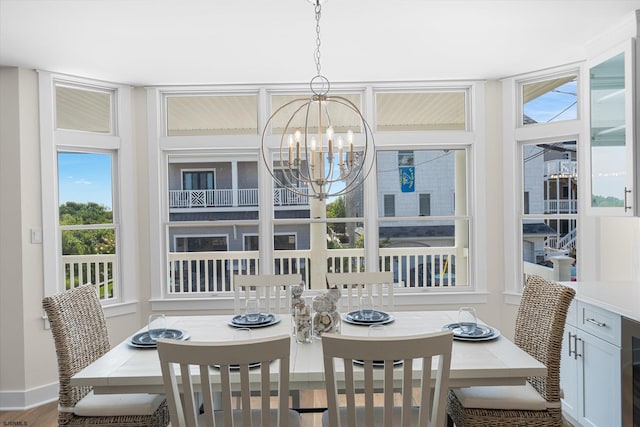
(540,328)
(233,359)
(378,285)
(272,290)
(339,353)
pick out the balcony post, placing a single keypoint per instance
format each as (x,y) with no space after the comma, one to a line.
(562,268)
(234,182)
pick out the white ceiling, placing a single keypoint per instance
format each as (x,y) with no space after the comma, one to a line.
(158,42)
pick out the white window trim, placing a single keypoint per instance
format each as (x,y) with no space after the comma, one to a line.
(124,202)
(513,136)
(472,139)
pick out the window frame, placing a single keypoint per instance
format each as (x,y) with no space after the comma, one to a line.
(120,143)
(472,139)
(513,136)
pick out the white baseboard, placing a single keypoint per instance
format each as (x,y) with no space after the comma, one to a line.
(23,400)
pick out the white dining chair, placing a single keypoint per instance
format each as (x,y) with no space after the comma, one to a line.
(272,290)
(378,285)
(180,361)
(412,351)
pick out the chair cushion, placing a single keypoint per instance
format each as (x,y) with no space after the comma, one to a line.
(523,397)
(293,418)
(378,413)
(100,405)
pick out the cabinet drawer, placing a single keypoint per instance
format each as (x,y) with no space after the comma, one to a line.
(572,313)
(599,322)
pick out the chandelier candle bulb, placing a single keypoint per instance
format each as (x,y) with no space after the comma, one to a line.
(291,160)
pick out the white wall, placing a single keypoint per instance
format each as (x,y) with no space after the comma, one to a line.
(26,377)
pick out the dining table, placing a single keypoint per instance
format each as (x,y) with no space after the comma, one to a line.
(130,369)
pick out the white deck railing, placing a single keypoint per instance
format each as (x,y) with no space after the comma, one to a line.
(99,269)
(193,273)
(206,272)
(222,198)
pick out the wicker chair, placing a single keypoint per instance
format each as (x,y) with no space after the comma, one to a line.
(539,331)
(80,336)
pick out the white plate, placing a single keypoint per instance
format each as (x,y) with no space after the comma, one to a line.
(276,319)
(178,334)
(376,363)
(452,326)
(348,319)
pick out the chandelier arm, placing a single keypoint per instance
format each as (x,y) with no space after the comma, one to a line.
(268,163)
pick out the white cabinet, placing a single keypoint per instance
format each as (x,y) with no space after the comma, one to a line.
(590,366)
(612,113)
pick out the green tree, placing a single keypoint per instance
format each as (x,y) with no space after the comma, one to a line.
(336,209)
(87,242)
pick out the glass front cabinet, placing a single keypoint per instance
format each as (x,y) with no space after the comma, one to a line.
(613,81)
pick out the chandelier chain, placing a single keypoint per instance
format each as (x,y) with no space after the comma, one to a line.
(317,52)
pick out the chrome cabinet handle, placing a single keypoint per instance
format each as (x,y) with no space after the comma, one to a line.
(572,337)
(626,191)
(595,322)
(579,354)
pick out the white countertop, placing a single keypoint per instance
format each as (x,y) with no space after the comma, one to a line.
(619,297)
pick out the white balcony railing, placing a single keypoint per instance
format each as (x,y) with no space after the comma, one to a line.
(99,269)
(563,206)
(207,272)
(561,168)
(221,198)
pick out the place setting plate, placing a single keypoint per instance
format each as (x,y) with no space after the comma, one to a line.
(356,317)
(481,333)
(377,363)
(263,319)
(237,367)
(143,340)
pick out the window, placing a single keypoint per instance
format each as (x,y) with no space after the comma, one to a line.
(438,246)
(201,243)
(217,186)
(84,109)
(88,233)
(81,124)
(198,180)
(342,119)
(549,224)
(425,204)
(416,111)
(208,114)
(550,100)
(389,205)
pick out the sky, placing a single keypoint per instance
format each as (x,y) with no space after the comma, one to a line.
(84,177)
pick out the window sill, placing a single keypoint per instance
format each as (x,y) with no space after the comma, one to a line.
(120,309)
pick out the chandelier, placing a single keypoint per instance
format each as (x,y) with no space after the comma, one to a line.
(317,159)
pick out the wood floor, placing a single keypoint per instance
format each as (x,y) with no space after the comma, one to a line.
(46,415)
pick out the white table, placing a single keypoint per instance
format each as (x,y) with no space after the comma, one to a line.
(130,370)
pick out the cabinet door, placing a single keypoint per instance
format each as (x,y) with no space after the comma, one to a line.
(598,382)
(611,125)
(569,374)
